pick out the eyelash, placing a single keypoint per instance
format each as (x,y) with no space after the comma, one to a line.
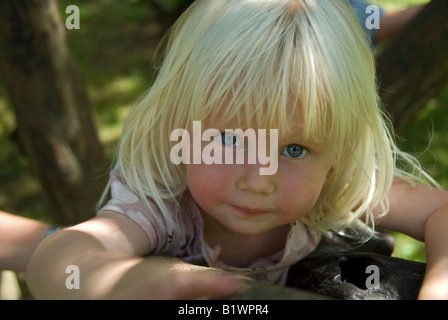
(303,151)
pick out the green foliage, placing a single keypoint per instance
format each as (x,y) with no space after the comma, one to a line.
(398,4)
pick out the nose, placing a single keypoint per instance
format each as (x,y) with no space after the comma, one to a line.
(252,181)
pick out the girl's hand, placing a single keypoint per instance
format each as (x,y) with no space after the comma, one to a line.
(171,279)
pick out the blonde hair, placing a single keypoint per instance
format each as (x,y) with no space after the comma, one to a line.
(257,60)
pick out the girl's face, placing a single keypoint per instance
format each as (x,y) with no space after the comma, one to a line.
(236,199)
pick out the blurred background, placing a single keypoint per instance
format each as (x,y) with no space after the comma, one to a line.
(114,50)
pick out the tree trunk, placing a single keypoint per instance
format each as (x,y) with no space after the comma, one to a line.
(414,68)
(53,112)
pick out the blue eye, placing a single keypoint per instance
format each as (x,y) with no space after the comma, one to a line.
(228,139)
(294,151)
(231,140)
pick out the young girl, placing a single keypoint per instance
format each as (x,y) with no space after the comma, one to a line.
(196,229)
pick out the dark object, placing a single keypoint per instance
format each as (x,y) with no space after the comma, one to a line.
(339,271)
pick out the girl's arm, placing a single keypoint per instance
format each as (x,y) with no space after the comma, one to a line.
(422,212)
(106,254)
(19,236)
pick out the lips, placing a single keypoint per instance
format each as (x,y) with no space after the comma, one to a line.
(249,211)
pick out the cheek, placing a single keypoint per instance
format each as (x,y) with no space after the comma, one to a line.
(208,184)
(300,193)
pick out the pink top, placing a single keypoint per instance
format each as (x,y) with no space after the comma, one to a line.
(186,241)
